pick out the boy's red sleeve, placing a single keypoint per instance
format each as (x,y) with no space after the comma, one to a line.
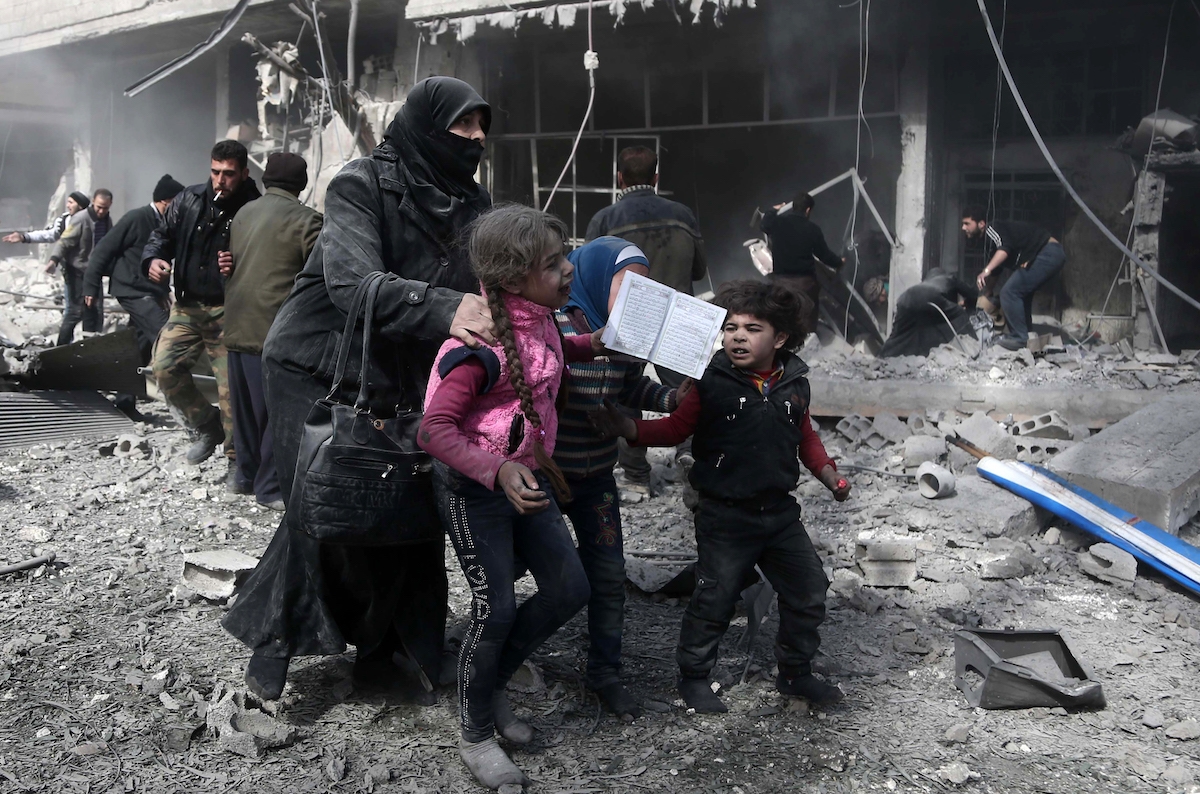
(578,348)
(674,429)
(441,435)
(812,451)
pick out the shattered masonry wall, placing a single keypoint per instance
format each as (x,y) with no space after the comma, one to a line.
(29,25)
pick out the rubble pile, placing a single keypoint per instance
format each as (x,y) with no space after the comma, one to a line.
(1055,364)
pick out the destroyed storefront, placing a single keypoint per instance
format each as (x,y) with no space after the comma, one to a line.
(747,104)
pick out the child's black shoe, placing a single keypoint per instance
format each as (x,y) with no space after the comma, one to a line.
(697,694)
(809,687)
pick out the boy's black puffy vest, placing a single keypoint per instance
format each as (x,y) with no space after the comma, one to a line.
(747,445)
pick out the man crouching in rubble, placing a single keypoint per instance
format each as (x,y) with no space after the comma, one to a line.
(196,236)
(749,414)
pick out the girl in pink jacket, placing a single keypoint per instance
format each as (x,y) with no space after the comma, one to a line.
(490,422)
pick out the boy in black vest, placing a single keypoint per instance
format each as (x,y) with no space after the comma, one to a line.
(749,414)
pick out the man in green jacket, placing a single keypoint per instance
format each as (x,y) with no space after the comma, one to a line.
(270,240)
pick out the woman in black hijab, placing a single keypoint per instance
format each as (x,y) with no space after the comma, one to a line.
(400,211)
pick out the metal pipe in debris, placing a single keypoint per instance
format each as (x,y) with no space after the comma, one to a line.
(45,559)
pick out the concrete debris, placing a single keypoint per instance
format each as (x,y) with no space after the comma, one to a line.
(215,574)
(977,508)
(1153,718)
(1184,731)
(958,734)
(1147,464)
(923,449)
(128,445)
(1047,425)
(1108,563)
(1008,559)
(890,427)
(854,426)
(957,773)
(886,562)
(528,679)
(1039,450)
(246,731)
(646,576)
(981,431)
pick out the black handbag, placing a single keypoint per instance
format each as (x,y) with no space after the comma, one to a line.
(361,480)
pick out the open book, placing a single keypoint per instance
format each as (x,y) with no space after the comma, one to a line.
(655,323)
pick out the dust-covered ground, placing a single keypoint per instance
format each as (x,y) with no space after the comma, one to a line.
(109,670)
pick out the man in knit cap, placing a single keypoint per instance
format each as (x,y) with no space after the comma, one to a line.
(270,240)
(119,257)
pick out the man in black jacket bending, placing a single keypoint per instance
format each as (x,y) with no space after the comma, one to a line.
(119,257)
(795,243)
(196,237)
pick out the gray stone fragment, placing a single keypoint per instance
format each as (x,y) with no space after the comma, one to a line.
(888,573)
(890,427)
(1107,563)
(979,430)
(1184,731)
(245,731)
(1153,718)
(922,449)
(958,734)
(215,574)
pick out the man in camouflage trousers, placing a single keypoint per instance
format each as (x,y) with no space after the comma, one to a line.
(193,246)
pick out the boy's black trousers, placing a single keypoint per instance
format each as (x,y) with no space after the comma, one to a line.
(731,538)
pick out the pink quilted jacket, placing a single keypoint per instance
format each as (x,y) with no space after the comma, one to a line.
(540,347)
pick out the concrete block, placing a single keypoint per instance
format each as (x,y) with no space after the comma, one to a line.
(1039,450)
(1148,463)
(980,430)
(890,427)
(1047,425)
(922,449)
(917,424)
(888,573)
(885,550)
(1108,563)
(853,426)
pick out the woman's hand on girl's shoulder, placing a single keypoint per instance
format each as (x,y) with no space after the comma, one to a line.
(472,321)
(521,487)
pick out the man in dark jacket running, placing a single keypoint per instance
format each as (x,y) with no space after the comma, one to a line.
(119,257)
(270,240)
(795,242)
(196,238)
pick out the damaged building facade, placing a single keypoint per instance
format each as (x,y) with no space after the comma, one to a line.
(747,101)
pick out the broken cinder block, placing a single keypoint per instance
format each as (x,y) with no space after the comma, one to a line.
(922,449)
(979,430)
(886,562)
(1108,563)
(215,574)
(1047,425)
(890,427)
(853,426)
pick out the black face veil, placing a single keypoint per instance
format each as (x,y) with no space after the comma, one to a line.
(441,165)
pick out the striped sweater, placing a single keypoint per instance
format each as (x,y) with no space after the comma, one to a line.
(578,452)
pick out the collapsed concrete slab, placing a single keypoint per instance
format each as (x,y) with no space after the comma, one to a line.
(1148,463)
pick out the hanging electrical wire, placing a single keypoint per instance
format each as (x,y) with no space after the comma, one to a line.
(991,205)
(864,60)
(591,62)
(1037,137)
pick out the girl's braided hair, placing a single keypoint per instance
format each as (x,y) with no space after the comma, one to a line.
(504,245)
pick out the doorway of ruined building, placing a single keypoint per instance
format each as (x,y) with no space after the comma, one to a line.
(1179,260)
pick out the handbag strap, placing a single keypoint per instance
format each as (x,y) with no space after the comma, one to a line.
(361,403)
(360,294)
